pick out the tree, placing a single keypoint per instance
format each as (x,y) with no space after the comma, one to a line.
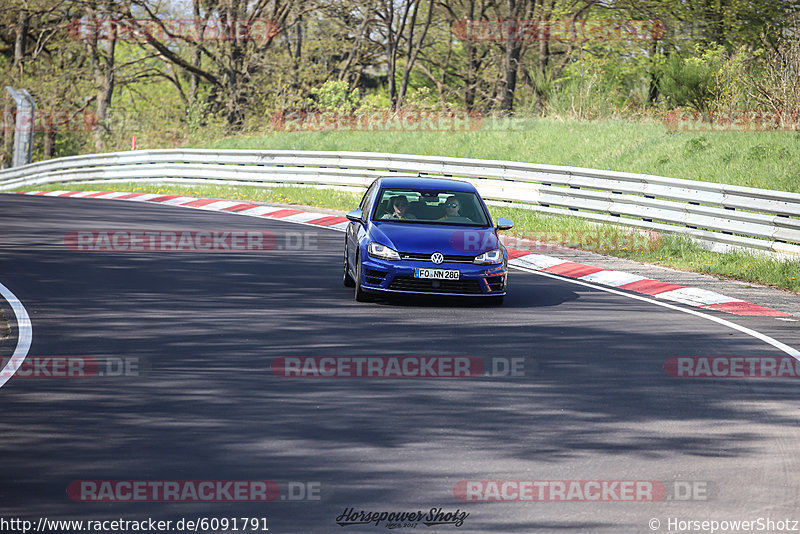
(244,32)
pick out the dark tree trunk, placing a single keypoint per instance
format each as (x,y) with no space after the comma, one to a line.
(20,40)
(194,79)
(354,53)
(517,10)
(544,61)
(412,52)
(104,77)
(509,85)
(49,143)
(652,93)
(471,83)
(391,56)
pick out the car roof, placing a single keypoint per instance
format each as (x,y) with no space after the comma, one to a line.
(403,182)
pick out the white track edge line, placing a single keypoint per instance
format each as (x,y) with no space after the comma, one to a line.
(24,335)
(758,335)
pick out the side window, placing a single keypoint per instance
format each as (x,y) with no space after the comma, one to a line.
(372,193)
(366,200)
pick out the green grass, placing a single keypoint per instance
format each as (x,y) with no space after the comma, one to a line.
(675,251)
(682,253)
(668,250)
(769,160)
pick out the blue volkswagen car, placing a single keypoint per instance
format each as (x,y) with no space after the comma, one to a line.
(426,236)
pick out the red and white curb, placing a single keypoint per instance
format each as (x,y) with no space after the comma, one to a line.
(690,296)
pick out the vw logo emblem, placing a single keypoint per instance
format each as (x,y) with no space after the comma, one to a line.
(437,258)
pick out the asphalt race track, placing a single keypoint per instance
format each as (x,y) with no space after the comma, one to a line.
(190,340)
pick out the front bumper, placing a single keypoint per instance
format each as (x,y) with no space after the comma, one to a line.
(398,277)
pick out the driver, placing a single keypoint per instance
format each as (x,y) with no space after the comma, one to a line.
(399,209)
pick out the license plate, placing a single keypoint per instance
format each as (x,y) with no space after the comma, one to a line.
(438,274)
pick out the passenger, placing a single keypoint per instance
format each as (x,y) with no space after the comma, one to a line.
(451,208)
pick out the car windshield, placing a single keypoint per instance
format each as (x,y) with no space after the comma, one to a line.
(429,206)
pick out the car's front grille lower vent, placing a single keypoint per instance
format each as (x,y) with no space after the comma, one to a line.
(425,285)
(495,282)
(374,277)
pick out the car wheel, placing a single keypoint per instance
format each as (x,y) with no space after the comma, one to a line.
(347,280)
(361,295)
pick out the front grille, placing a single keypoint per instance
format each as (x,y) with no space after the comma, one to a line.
(406,283)
(374,277)
(451,258)
(495,283)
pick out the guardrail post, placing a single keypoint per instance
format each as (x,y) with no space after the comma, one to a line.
(23,127)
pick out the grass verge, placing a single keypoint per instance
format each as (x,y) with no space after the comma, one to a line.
(766,159)
(670,251)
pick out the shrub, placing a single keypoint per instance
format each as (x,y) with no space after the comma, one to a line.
(336,96)
(691,81)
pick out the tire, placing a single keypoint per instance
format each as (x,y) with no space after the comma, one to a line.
(347,280)
(360,294)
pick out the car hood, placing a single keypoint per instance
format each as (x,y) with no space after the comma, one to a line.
(430,238)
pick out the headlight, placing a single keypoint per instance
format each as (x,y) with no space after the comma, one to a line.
(383,252)
(489,258)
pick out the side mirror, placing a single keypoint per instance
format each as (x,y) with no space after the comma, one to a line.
(504,224)
(355,216)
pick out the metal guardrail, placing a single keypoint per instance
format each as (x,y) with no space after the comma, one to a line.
(719,215)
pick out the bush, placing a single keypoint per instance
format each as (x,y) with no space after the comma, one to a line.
(777,87)
(335,96)
(691,81)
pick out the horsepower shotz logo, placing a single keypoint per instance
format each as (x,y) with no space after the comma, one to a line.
(433,517)
(170,241)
